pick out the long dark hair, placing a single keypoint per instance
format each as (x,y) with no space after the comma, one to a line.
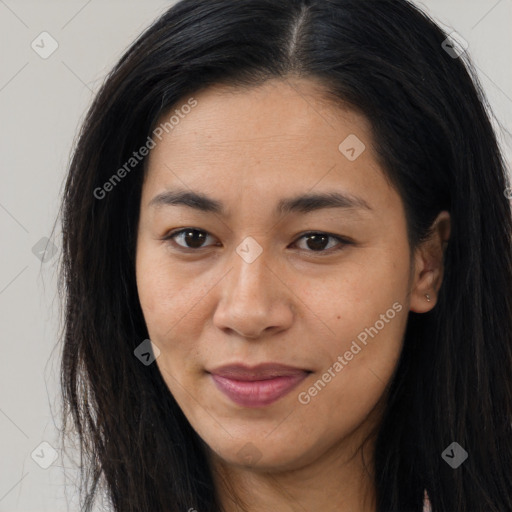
(435,141)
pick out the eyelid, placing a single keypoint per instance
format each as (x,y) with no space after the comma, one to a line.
(343,241)
(172,234)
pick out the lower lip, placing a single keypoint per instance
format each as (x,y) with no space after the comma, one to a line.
(257,393)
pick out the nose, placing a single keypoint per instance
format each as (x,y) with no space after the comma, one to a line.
(254,299)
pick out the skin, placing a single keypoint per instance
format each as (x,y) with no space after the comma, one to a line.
(250,148)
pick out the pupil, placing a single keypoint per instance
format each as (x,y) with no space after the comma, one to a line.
(196,240)
(317,242)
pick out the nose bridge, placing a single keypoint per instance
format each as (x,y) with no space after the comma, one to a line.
(250,300)
(250,277)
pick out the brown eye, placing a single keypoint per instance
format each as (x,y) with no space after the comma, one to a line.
(315,242)
(319,242)
(191,238)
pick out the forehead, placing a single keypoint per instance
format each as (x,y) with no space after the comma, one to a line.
(275,114)
(280,136)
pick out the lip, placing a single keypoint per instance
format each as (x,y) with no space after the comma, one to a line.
(259,385)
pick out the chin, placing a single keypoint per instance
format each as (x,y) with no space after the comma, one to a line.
(262,454)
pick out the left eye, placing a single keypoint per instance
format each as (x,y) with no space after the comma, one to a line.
(316,241)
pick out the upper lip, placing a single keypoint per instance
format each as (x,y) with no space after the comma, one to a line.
(263,371)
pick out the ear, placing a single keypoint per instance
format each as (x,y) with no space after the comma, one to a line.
(428,265)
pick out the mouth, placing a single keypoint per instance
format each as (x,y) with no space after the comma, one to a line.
(257,386)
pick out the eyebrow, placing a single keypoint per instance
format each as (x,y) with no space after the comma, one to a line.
(299,204)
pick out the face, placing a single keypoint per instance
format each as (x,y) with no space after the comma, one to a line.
(254,272)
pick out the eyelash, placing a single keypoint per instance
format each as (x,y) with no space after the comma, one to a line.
(342,241)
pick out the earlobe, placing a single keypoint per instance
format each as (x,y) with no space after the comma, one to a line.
(429,266)
(424,294)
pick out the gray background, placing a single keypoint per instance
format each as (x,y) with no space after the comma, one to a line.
(42,102)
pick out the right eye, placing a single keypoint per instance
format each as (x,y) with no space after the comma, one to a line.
(192,238)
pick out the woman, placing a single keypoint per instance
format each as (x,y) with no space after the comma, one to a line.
(287,267)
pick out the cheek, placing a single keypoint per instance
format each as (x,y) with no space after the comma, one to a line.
(362,351)
(170,300)
(151,284)
(363,314)
(358,292)
(158,289)
(167,305)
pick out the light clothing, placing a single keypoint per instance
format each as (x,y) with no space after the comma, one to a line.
(426,503)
